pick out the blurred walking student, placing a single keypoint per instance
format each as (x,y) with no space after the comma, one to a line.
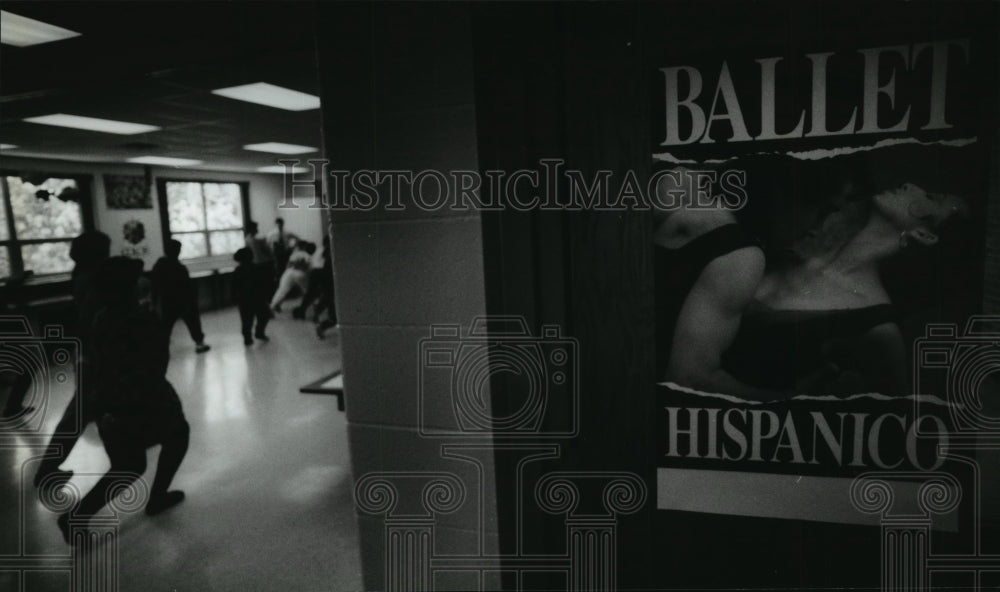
(263,258)
(137,407)
(296,274)
(89,253)
(281,243)
(174,295)
(258,245)
(320,284)
(251,297)
(321,291)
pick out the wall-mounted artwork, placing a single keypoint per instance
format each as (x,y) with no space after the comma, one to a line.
(814,181)
(127,192)
(134,234)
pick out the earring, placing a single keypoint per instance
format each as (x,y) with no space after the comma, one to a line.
(903,240)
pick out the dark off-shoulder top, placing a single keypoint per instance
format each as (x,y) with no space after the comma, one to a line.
(776,348)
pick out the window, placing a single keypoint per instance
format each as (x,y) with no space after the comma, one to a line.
(40,214)
(206,217)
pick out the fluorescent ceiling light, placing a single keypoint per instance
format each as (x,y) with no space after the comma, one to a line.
(7,146)
(164,160)
(21,31)
(280,169)
(263,93)
(93,124)
(279,148)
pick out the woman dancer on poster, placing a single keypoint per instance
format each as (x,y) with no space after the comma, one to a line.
(827,312)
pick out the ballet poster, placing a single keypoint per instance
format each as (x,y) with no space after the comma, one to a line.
(819,236)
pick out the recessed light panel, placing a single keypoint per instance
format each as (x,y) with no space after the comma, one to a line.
(164,160)
(108,126)
(21,31)
(263,93)
(280,148)
(280,169)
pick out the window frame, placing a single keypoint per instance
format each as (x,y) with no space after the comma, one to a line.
(84,183)
(161,196)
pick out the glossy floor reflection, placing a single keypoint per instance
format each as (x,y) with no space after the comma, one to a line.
(269,490)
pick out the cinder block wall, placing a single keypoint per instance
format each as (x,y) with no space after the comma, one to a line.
(398,95)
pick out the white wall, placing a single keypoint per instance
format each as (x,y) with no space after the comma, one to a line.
(266,191)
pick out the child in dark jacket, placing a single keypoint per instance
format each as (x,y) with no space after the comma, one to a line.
(251,296)
(90,252)
(137,407)
(175,296)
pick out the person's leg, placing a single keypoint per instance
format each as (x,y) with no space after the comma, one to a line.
(331,309)
(314,292)
(317,283)
(170,317)
(193,321)
(284,286)
(75,418)
(324,325)
(128,463)
(246,321)
(301,280)
(267,282)
(175,444)
(263,313)
(281,256)
(319,309)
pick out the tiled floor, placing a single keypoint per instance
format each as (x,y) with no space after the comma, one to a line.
(269,489)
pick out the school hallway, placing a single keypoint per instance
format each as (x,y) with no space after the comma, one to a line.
(267,476)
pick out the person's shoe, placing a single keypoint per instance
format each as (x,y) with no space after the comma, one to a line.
(54,479)
(262,337)
(161,503)
(63,522)
(247,340)
(320,332)
(276,308)
(202,348)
